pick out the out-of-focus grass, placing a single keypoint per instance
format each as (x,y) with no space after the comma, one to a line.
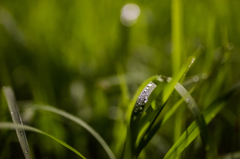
(65,54)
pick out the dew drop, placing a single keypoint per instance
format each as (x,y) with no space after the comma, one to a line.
(147,88)
(140,108)
(26,151)
(149,85)
(144,91)
(186,100)
(195,78)
(134,117)
(145,101)
(11,112)
(160,79)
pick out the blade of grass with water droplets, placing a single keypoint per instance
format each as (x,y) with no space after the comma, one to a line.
(135,131)
(132,129)
(16,117)
(151,115)
(79,122)
(8,125)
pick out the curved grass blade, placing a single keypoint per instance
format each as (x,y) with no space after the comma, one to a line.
(133,129)
(16,118)
(8,125)
(143,122)
(205,135)
(210,147)
(152,118)
(79,122)
(192,131)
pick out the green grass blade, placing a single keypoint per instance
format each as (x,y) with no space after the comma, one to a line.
(177,78)
(205,135)
(8,125)
(176,35)
(139,129)
(193,131)
(16,118)
(81,123)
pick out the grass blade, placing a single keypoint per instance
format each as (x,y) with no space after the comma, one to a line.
(176,35)
(16,117)
(205,135)
(8,125)
(192,131)
(79,122)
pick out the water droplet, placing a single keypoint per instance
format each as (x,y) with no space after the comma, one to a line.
(192,60)
(149,85)
(140,108)
(144,91)
(147,94)
(134,117)
(147,88)
(26,151)
(230,46)
(160,79)
(186,100)
(195,78)
(145,101)
(11,112)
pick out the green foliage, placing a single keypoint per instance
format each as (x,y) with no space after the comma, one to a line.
(78,57)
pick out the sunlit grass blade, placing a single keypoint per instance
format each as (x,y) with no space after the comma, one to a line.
(8,125)
(79,122)
(176,35)
(180,76)
(16,117)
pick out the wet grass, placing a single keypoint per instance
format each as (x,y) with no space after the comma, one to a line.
(92,70)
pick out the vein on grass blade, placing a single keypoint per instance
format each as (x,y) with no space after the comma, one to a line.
(16,117)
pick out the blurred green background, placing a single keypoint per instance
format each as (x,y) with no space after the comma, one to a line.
(80,57)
